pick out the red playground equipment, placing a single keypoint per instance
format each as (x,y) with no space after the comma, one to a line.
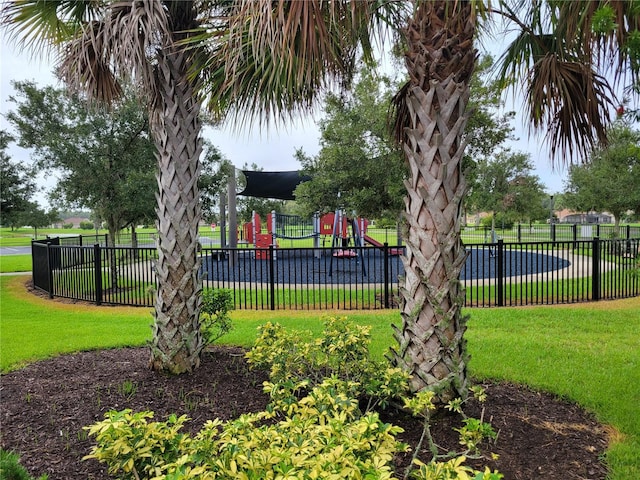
(334,224)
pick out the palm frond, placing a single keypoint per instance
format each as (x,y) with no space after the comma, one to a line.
(274,59)
(572,102)
(39,26)
(118,46)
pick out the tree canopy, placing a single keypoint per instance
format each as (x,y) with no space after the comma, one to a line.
(105,157)
(611,180)
(504,183)
(361,168)
(17,185)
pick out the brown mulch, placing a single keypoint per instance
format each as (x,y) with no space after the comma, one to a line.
(45,405)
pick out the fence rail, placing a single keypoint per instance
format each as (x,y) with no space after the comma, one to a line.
(495,274)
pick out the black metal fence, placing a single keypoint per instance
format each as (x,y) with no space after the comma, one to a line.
(555,232)
(495,274)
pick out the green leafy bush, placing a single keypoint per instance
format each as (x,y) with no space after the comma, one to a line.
(324,435)
(316,425)
(86,225)
(503,221)
(134,448)
(214,314)
(453,469)
(341,352)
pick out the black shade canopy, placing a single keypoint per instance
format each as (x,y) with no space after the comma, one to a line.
(277,185)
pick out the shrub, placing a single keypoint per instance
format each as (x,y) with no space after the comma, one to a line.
(214,315)
(314,426)
(341,352)
(502,221)
(86,225)
(67,226)
(386,222)
(323,435)
(10,468)
(454,469)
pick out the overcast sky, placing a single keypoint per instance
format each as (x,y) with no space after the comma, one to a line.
(271,150)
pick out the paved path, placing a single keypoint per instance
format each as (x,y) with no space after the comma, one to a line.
(15,250)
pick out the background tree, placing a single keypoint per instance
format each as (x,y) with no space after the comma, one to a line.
(505,185)
(360,159)
(213,180)
(104,157)
(36,217)
(490,125)
(611,180)
(359,166)
(17,185)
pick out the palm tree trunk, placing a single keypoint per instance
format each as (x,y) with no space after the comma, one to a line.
(177,342)
(440,61)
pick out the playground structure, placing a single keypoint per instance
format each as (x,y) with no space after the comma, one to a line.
(265,238)
(344,232)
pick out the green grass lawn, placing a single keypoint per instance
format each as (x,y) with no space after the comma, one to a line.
(15,263)
(587,353)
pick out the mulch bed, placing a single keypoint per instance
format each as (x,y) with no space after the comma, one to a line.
(45,405)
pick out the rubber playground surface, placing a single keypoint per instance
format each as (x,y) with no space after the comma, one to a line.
(309,266)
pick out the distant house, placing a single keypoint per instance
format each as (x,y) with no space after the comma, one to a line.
(569,216)
(75,221)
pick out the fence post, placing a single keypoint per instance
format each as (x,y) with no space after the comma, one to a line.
(553,232)
(49,270)
(386,275)
(500,273)
(595,269)
(519,233)
(97,268)
(574,231)
(628,231)
(272,283)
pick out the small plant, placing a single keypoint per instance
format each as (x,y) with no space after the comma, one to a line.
(472,433)
(635,269)
(133,448)
(128,389)
(11,469)
(453,469)
(214,317)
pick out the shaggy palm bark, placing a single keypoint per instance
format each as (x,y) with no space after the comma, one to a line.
(177,342)
(440,61)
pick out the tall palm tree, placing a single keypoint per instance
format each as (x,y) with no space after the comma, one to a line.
(431,116)
(556,55)
(180,52)
(99,44)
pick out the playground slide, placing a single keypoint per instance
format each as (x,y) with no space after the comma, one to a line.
(377,244)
